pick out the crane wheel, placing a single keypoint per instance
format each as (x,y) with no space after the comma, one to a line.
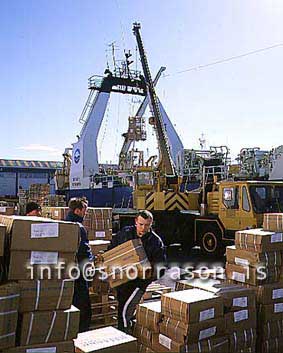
(210,242)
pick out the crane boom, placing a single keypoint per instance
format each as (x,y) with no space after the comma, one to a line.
(166,164)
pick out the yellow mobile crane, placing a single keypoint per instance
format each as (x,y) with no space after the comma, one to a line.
(207,216)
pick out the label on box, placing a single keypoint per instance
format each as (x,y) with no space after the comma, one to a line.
(211,331)
(276,237)
(165,341)
(241,315)
(44,230)
(100,234)
(237,276)
(3,209)
(278,308)
(44,258)
(241,301)
(42,350)
(206,314)
(56,213)
(277,293)
(241,262)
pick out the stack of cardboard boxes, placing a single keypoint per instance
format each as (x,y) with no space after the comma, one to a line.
(54,201)
(38,192)
(40,251)
(189,320)
(9,305)
(98,221)
(239,310)
(256,261)
(270,297)
(103,298)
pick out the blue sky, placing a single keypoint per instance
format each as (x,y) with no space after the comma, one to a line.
(50,48)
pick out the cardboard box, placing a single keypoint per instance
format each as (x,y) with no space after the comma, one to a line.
(38,233)
(125,262)
(258,240)
(2,239)
(192,305)
(234,296)
(240,320)
(105,340)
(149,315)
(7,210)
(55,347)
(48,326)
(46,295)
(154,291)
(20,261)
(143,335)
(244,257)
(125,254)
(162,343)
(9,303)
(270,293)
(274,345)
(118,276)
(252,275)
(273,222)
(182,332)
(243,340)
(270,312)
(99,245)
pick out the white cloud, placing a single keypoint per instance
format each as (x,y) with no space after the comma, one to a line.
(40,148)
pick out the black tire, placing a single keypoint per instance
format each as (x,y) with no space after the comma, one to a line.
(210,242)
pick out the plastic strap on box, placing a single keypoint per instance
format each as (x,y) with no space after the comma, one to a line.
(176,328)
(181,307)
(60,295)
(209,345)
(246,337)
(51,326)
(67,326)
(10,296)
(30,329)
(37,295)
(7,335)
(235,340)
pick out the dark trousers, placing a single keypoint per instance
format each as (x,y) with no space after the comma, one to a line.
(128,296)
(81,300)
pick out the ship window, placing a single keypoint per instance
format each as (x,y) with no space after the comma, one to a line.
(246,203)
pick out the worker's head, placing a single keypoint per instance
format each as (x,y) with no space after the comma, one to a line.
(33,209)
(78,205)
(143,222)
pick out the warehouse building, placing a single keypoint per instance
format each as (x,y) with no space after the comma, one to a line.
(20,174)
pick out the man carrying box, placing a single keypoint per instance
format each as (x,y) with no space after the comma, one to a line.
(81,299)
(129,294)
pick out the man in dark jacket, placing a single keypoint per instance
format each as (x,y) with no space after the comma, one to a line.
(130,293)
(81,299)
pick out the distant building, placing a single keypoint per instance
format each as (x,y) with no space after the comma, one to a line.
(20,174)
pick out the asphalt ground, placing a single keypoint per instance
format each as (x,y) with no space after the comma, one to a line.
(181,264)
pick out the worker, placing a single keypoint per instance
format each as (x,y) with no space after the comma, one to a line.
(33,209)
(129,294)
(81,299)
